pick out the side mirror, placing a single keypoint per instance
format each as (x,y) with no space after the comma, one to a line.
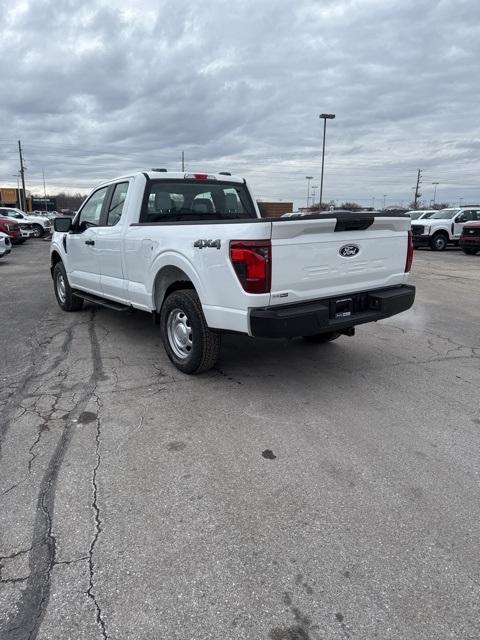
(62,224)
(461,219)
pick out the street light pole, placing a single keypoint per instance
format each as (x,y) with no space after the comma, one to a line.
(308,188)
(384,199)
(435,191)
(314,189)
(324,117)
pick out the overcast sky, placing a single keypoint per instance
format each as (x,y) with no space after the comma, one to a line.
(96,88)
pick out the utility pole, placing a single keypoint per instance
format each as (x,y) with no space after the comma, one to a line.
(384,199)
(44,191)
(183,160)
(435,184)
(22,173)
(308,178)
(417,192)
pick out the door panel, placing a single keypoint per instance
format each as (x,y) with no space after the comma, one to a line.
(83,261)
(83,253)
(110,244)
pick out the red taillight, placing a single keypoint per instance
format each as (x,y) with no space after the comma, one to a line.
(252,261)
(408,262)
(200,176)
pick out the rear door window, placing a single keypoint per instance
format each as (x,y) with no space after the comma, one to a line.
(116,204)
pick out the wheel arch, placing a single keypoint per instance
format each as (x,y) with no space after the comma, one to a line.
(54,259)
(169,278)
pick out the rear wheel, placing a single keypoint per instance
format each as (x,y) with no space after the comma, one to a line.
(320,338)
(190,344)
(65,298)
(439,242)
(470,252)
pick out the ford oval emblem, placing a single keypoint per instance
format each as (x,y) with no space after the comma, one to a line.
(349,250)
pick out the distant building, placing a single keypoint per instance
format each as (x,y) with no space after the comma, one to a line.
(12,197)
(274,208)
(44,204)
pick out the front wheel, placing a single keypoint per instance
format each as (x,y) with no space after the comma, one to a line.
(320,338)
(65,298)
(190,344)
(37,230)
(438,242)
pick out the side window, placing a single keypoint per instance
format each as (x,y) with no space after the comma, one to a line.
(467,215)
(116,204)
(90,214)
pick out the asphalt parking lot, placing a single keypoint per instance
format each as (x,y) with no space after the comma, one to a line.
(136,502)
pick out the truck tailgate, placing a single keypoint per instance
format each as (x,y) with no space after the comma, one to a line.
(334,255)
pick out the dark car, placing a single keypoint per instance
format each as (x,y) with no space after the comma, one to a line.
(470,238)
(12,229)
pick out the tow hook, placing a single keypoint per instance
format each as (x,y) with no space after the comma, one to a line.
(350,331)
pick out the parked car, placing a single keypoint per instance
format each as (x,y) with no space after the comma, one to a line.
(421,214)
(5,244)
(12,230)
(192,250)
(40,225)
(443,227)
(470,238)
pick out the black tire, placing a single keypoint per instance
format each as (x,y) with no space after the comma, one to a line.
(320,338)
(37,230)
(191,346)
(65,298)
(439,242)
(470,252)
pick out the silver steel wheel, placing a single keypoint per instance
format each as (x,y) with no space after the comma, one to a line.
(61,288)
(179,333)
(440,243)
(37,231)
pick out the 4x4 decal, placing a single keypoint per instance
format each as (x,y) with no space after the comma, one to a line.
(210,244)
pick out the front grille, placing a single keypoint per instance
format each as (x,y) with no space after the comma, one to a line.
(469,232)
(417,230)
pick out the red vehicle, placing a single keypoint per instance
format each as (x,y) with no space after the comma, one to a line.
(470,239)
(12,229)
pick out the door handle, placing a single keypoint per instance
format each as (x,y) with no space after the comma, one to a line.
(90,242)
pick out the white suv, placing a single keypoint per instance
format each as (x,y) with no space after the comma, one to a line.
(442,227)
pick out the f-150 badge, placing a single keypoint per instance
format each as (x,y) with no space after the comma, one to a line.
(207,244)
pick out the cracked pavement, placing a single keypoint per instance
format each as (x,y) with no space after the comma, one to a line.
(136,503)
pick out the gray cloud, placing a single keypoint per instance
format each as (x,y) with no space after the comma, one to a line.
(100,88)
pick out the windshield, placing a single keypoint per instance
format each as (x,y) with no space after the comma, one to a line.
(414,215)
(177,200)
(444,214)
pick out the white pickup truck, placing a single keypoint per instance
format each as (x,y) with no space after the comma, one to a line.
(442,227)
(192,250)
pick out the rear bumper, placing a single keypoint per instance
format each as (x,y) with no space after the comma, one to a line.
(319,316)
